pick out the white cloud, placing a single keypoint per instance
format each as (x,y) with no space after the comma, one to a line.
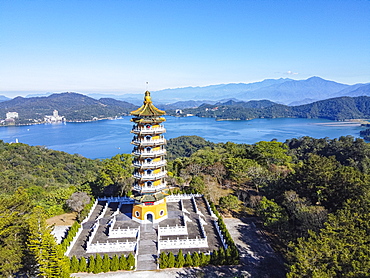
(291,72)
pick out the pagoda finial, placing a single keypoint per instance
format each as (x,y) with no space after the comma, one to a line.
(147,98)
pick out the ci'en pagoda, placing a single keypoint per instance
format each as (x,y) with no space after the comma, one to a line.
(149,162)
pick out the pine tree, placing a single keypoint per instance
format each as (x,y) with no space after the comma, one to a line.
(221,256)
(180,261)
(171,260)
(203,259)
(106,263)
(41,243)
(163,260)
(196,259)
(82,267)
(91,265)
(123,263)
(188,260)
(74,264)
(214,257)
(131,261)
(114,264)
(98,264)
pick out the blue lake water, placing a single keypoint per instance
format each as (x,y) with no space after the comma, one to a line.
(103,139)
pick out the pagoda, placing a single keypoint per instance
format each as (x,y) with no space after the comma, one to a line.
(149,163)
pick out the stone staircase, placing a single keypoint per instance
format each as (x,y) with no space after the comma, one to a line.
(147,254)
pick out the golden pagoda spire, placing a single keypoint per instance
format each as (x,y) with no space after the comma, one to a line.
(148,109)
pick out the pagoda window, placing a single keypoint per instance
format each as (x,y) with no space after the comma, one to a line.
(148,160)
(148,137)
(148,149)
(149,172)
(149,184)
(148,126)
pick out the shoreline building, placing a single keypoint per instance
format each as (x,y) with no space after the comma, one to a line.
(149,161)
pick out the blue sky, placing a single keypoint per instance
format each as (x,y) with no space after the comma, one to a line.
(117,46)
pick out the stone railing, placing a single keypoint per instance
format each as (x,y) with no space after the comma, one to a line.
(91,212)
(204,235)
(118,246)
(209,208)
(119,233)
(121,200)
(178,197)
(102,213)
(172,230)
(223,240)
(182,243)
(91,236)
(72,243)
(194,205)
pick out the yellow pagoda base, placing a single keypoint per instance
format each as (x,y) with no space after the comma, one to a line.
(150,213)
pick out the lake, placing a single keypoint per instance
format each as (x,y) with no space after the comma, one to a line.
(106,138)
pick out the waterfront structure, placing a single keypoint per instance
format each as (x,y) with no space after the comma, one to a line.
(11,115)
(54,118)
(149,162)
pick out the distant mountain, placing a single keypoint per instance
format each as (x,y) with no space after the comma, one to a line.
(302,102)
(75,107)
(3,98)
(356,90)
(335,109)
(184,104)
(214,92)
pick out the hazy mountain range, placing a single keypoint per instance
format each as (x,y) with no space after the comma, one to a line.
(284,90)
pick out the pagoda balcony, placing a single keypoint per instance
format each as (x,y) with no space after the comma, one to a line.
(145,130)
(149,153)
(144,176)
(141,164)
(149,142)
(150,189)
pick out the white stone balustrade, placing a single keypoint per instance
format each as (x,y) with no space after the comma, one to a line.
(178,197)
(101,214)
(120,233)
(194,205)
(118,246)
(150,164)
(223,240)
(144,176)
(91,211)
(150,130)
(72,243)
(149,153)
(172,230)
(121,200)
(182,243)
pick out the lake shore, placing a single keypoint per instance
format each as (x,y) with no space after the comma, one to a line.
(350,122)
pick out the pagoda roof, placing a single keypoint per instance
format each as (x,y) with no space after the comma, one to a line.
(148,109)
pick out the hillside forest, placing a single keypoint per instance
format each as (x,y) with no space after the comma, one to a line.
(310,195)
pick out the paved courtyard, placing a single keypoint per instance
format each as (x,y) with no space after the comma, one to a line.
(191,213)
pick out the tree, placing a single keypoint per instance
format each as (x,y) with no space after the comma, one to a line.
(41,243)
(82,266)
(197,184)
(14,210)
(229,202)
(171,260)
(163,260)
(131,261)
(123,263)
(74,264)
(271,213)
(98,264)
(188,260)
(180,261)
(340,249)
(106,263)
(91,264)
(114,265)
(77,201)
(196,259)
